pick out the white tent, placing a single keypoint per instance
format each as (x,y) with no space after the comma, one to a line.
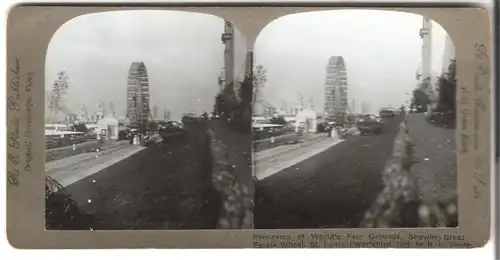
(309,119)
(109,126)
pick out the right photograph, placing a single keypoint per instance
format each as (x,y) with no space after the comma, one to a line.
(354,122)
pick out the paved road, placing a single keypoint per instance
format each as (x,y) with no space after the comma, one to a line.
(271,161)
(329,190)
(74,168)
(263,144)
(285,139)
(67,151)
(166,187)
(88,143)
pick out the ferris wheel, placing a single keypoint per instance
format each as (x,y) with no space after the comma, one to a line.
(138,98)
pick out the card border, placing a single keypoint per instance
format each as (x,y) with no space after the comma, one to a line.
(30,28)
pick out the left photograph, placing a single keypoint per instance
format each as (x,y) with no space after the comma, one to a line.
(148,123)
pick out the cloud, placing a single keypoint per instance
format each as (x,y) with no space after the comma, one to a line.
(382,52)
(182,52)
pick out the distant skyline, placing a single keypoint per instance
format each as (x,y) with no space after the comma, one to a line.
(382,53)
(182,51)
(183,54)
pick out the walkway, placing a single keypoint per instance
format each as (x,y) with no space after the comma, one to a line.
(273,160)
(436,169)
(72,169)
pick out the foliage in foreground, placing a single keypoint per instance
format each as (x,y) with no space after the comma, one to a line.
(398,204)
(61,211)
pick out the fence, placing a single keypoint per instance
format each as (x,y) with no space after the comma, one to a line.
(63,142)
(67,151)
(399,203)
(267,143)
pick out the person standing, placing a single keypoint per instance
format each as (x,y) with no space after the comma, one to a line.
(329,128)
(131,137)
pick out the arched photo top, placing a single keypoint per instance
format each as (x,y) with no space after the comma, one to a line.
(349,81)
(183,52)
(384,53)
(149,87)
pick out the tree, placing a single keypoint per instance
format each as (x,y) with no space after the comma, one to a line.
(259,81)
(447,83)
(278,120)
(205,115)
(234,102)
(48,106)
(59,88)
(420,100)
(152,125)
(422,96)
(227,102)
(80,127)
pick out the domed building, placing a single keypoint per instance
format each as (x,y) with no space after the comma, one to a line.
(108,126)
(308,118)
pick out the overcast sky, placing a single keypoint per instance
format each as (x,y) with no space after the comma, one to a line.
(381,49)
(183,54)
(182,51)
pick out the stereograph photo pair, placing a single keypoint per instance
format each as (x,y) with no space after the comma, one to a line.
(270,127)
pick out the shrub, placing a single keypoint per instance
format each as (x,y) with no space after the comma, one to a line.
(420,100)
(278,120)
(81,127)
(447,89)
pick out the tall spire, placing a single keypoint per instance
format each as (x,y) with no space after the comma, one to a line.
(83,114)
(155,112)
(111,108)
(227,39)
(311,103)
